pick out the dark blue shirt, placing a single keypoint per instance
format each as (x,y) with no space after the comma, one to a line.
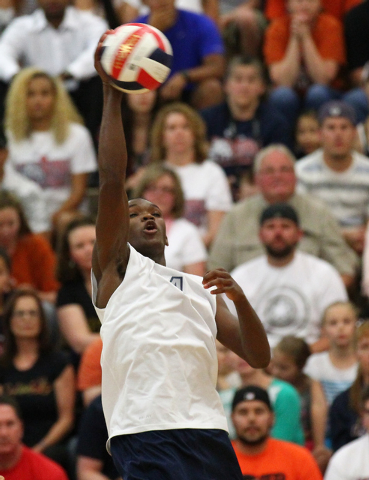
(235,143)
(193,37)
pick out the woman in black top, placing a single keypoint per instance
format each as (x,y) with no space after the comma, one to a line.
(40,378)
(77,318)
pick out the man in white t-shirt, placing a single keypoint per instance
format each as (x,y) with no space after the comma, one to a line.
(289,289)
(159,362)
(351,462)
(337,174)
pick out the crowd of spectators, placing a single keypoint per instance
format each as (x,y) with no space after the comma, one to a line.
(256,151)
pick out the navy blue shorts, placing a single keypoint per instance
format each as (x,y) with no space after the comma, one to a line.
(183,454)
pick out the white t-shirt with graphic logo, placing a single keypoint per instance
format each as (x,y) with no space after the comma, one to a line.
(50,164)
(290,300)
(205,187)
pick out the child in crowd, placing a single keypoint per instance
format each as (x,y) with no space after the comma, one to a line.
(336,368)
(289,359)
(307,138)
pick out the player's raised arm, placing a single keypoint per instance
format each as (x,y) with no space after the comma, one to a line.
(112,223)
(245,336)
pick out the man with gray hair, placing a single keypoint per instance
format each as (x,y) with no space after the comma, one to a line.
(238,240)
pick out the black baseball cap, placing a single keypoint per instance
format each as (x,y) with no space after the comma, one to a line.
(251,392)
(279,210)
(336,108)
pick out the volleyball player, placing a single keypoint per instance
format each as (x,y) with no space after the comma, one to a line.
(159,369)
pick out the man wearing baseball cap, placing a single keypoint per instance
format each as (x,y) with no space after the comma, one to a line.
(259,455)
(337,174)
(289,289)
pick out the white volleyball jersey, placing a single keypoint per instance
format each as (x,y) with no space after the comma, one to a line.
(159,362)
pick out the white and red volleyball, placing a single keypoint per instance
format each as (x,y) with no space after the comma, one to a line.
(137,57)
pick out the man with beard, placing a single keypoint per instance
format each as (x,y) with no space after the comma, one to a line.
(262,457)
(337,174)
(289,289)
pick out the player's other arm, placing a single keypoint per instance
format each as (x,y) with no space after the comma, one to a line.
(245,336)
(112,222)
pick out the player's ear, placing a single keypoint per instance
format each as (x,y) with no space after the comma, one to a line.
(166,241)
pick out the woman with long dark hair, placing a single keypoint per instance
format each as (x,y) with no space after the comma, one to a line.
(39,377)
(78,321)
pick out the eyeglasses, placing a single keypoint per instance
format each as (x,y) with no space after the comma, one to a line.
(274,171)
(166,190)
(25,313)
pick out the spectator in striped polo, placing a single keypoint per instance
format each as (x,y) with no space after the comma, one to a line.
(337,174)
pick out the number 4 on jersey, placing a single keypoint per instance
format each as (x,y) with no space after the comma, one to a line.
(177,282)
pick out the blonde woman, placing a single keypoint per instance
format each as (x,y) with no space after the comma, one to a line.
(47,142)
(178,139)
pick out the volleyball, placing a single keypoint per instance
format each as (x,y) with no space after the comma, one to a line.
(137,57)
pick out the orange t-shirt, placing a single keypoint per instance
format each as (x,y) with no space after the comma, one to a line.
(327,35)
(280,460)
(89,372)
(33,262)
(338,8)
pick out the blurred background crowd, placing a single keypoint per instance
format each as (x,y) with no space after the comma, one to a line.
(256,149)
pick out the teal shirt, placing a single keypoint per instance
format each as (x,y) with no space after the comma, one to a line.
(287,412)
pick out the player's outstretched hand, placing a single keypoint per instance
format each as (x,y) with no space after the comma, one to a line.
(104,77)
(224,283)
